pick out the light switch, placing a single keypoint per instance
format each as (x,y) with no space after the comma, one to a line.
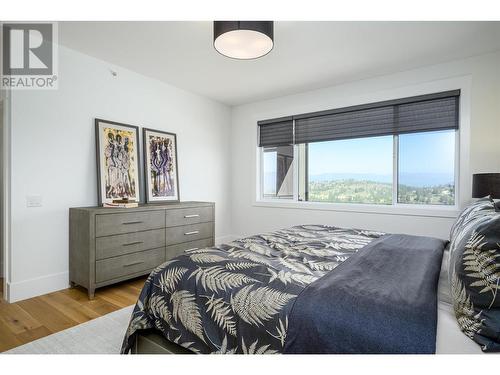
(33,201)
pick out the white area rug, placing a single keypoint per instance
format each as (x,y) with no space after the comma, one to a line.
(103,335)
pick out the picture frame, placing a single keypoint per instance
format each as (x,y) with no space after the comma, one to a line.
(161,171)
(118,165)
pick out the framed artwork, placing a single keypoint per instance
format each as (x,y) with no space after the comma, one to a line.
(160,166)
(117,161)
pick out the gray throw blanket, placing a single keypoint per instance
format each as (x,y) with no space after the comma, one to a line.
(382,300)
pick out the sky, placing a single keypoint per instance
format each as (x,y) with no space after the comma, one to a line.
(432,152)
(363,155)
(429,153)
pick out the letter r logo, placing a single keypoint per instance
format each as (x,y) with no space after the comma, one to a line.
(27,49)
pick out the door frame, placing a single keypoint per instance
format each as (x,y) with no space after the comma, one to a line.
(5,99)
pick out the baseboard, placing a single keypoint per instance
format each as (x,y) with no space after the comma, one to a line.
(20,290)
(225,239)
(17,291)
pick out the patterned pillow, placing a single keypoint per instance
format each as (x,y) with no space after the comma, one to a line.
(469,215)
(475,273)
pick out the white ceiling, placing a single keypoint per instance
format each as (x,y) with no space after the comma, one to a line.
(306,55)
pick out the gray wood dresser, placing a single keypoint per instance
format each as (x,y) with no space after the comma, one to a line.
(109,245)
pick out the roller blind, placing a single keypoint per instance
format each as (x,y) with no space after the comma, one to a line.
(408,115)
(355,124)
(276,132)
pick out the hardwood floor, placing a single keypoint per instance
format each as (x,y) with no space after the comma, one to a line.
(31,319)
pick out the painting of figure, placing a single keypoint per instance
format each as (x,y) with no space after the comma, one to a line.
(118,165)
(160,159)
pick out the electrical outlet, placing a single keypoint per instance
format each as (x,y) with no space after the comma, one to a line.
(33,201)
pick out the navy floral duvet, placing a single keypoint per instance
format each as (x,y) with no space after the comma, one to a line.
(237,297)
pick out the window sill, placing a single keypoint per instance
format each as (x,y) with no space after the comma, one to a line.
(399,210)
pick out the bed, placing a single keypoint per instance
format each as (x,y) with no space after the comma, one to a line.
(287,291)
(449,337)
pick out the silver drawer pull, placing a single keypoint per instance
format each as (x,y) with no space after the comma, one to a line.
(132,222)
(132,264)
(132,243)
(193,232)
(193,249)
(190,216)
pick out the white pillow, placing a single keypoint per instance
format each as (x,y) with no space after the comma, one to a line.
(444,290)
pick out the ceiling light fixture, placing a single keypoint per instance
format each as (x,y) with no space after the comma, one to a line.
(244,40)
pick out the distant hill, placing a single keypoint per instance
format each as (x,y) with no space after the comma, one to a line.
(371,192)
(409,179)
(350,176)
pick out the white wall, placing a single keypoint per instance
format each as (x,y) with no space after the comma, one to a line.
(53,154)
(479,78)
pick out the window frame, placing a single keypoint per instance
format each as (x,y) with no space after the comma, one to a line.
(395,207)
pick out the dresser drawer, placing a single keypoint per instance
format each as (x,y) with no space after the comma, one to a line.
(121,244)
(179,249)
(187,233)
(110,224)
(185,216)
(114,268)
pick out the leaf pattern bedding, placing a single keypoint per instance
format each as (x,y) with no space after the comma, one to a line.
(236,297)
(475,273)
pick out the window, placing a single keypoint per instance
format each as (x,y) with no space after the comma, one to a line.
(350,171)
(390,153)
(426,172)
(277,172)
